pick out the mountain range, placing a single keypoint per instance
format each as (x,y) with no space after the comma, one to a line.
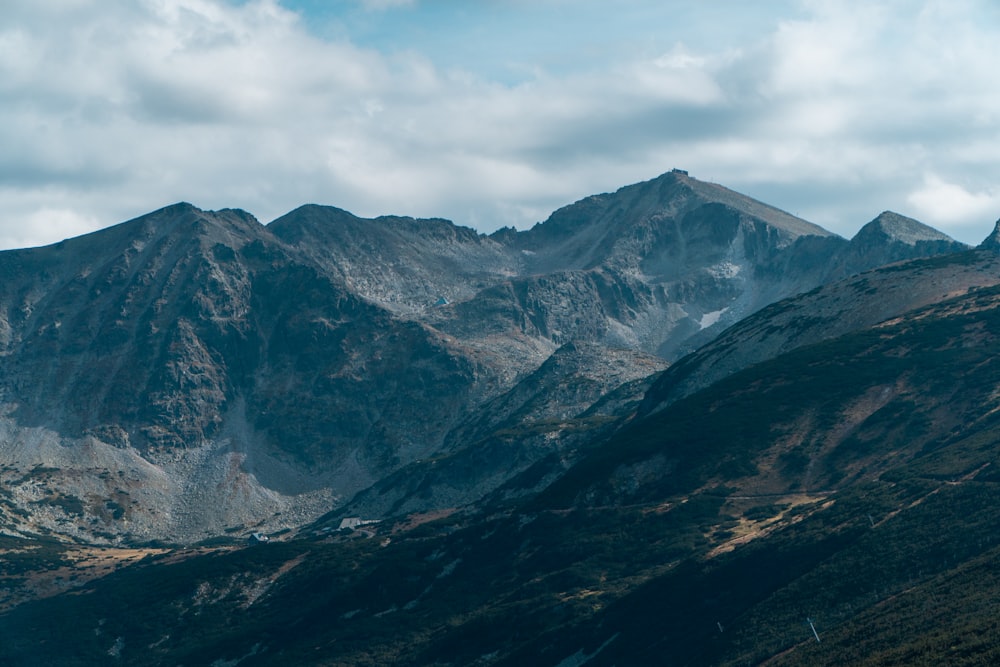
(659,427)
(190,372)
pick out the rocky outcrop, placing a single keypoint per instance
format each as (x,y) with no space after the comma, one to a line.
(992,242)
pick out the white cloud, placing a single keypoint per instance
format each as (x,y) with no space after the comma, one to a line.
(112,109)
(45,225)
(951,205)
(828,53)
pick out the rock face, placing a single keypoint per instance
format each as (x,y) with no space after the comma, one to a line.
(992,242)
(193,372)
(833,310)
(522,439)
(654,265)
(405,265)
(228,380)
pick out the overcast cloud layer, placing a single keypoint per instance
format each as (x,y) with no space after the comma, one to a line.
(494,113)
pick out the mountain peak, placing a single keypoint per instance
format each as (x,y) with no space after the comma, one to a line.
(992,242)
(653,215)
(178,208)
(713,192)
(229,226)
(896,227)
(182,219)
(293,226)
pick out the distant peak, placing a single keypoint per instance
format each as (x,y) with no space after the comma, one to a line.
(900,228)
(673,177)
(240,213)
(181,205)
(311,209)
(713,192)
(182,212)
(992,242)
(292,226)
(180,208)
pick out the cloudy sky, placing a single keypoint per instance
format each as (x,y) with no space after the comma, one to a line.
(494,112)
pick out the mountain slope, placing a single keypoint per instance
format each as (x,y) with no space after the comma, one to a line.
(531,432)
(228,380)
(404,264)
(930,381)
(849,484)
(889,238)
(827,312)
(647,226)
(191,374)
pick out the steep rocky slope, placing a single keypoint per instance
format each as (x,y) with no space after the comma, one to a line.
(189,368)
(827,312)
(404,264)
(665,265)
(192,373)
(831,418)
(655,264)
(521,440)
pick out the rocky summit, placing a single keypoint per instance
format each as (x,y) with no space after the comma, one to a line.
(192,374)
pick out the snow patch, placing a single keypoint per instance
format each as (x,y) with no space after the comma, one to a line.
(708,319)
